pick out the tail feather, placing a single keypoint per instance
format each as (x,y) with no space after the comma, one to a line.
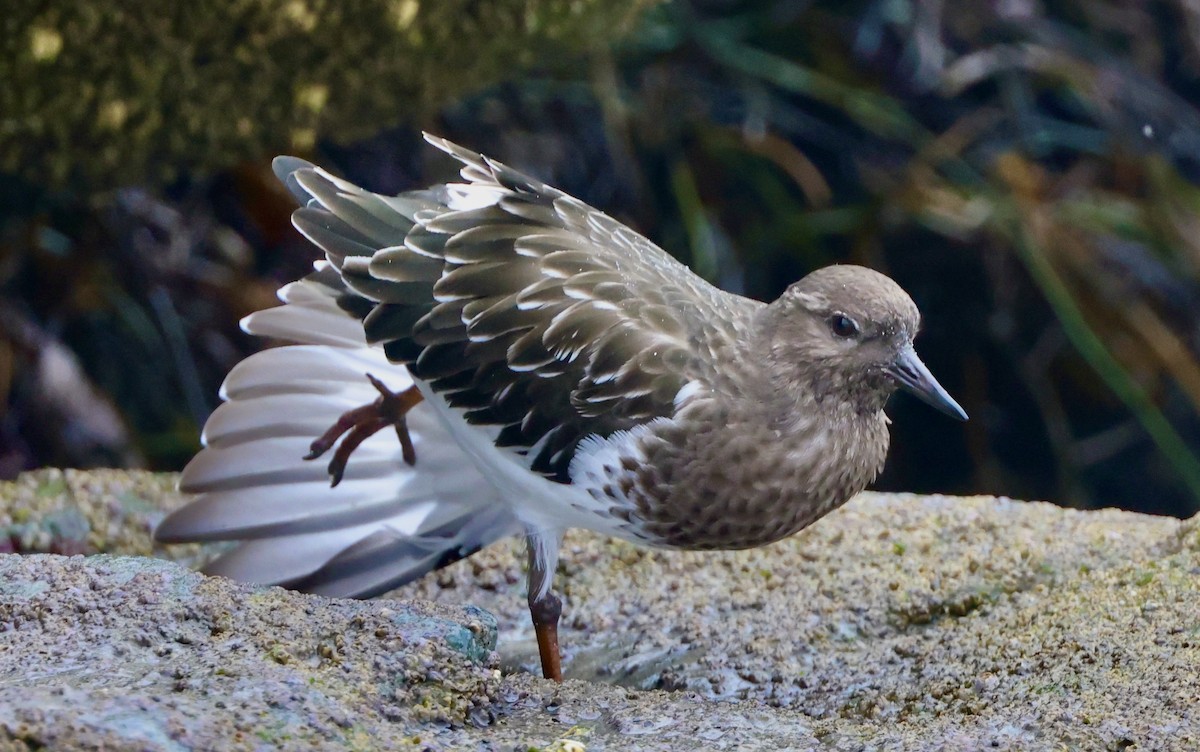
(286,560)
(386,523)
(270,415)
(306,322)
(301,370)
(284,504)
(385,560)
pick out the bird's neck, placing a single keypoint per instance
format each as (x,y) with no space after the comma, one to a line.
(814,414)
(799,401)
(825,427)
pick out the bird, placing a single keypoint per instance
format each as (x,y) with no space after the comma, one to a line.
(544,367)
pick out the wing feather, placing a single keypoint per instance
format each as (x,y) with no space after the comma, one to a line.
(524,307)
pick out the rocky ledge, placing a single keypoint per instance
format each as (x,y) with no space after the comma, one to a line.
(900,622)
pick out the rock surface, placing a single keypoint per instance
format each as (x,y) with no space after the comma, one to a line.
(121,652)
(900,622)
(88,512)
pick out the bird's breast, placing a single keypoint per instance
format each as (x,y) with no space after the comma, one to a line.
(711,479)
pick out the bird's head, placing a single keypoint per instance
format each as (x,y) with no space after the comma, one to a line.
(845,333)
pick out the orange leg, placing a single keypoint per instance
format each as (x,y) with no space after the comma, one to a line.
(545,615)
(361,423)
(544,612)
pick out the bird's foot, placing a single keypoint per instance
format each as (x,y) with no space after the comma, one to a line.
(361,423)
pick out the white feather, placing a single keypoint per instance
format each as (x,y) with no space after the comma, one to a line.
(285,559)
(466,196)
(304,323)
(307,369)
(685,393)
(253,484)
(545,507)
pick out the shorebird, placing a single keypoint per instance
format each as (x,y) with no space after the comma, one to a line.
(544,367)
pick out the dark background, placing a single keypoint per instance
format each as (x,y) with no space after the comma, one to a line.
(1027,170)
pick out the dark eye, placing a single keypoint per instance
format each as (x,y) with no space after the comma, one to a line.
(843,326)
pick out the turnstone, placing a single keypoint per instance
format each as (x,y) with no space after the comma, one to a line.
(545,367)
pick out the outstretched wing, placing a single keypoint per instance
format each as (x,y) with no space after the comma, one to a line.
(537,316)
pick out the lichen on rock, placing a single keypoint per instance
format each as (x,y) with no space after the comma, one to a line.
(898,622)
(87,512)
(110,652)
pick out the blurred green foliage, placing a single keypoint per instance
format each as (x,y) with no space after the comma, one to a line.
(1027,170)
(115,93)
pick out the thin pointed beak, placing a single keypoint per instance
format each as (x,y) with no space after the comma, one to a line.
(911,374)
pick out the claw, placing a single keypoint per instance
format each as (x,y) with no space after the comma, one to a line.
(360,423)
(347,421)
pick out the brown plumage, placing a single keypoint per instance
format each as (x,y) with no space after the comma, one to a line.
(572,374)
